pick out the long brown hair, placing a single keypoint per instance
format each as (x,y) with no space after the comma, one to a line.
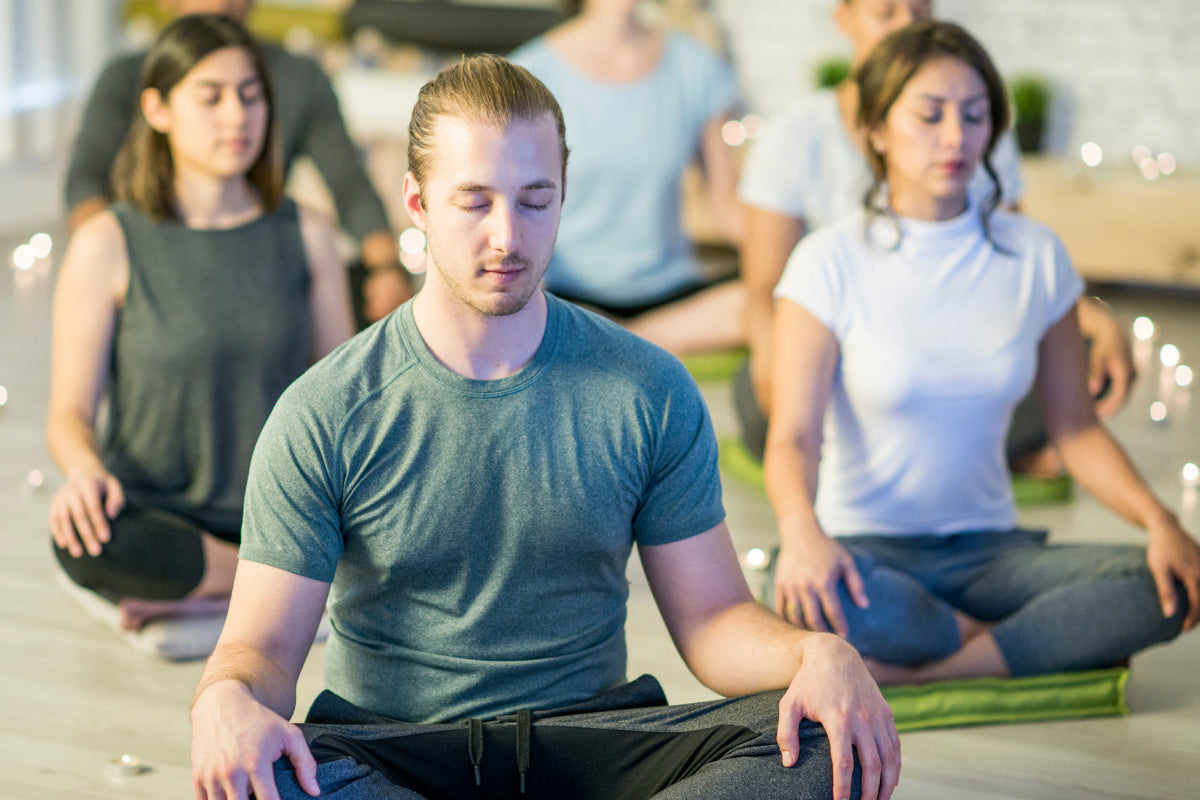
(890,66)
(144,172)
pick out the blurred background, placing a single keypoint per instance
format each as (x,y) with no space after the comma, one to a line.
(1107,91)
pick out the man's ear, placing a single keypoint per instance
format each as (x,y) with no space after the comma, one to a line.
(155,110)
(412,200)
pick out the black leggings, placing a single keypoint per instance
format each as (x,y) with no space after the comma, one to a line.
(152,555)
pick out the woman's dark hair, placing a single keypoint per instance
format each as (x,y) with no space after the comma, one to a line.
(887,70)
(570,7)
(144,172)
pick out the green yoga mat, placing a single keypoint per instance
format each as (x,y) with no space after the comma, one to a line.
(736,460)
(715,365)
(988,701)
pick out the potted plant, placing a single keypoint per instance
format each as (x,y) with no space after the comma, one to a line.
(831,72)
(1031,106)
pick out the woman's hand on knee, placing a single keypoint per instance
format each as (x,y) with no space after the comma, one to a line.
(808,577)
(235,743)
(81,509)
(1173,556)
(834,688)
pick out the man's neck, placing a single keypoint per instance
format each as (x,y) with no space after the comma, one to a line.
(476,345)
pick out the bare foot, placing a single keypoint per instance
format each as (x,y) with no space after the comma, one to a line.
(136,613)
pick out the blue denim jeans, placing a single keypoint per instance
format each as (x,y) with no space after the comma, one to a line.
(1054,607)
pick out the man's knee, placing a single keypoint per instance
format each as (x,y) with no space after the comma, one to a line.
(340,779)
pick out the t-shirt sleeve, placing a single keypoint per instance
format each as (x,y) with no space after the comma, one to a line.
(683,498)
(769,176)
(1063,284)
(290,520)
(811,281)
(708,82)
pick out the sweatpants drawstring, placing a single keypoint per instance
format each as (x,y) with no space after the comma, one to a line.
(524,726)
(475,745)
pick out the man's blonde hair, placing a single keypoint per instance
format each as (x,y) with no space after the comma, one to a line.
(483,88)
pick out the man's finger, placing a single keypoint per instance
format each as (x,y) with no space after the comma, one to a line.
(889,747)
(296,749)
(842,753)
(787,735)
(263,783)
(871,762)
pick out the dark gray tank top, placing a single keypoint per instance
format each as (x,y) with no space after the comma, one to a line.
(215,326)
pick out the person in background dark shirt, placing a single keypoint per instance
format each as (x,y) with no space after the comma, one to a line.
(309,124)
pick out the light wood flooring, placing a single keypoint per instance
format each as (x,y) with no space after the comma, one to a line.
(73,695)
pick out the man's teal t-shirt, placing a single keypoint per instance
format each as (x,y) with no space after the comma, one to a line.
(477,532)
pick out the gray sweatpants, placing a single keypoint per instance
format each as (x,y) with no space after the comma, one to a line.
(724,749)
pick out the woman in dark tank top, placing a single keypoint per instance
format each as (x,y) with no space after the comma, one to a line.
(192,304)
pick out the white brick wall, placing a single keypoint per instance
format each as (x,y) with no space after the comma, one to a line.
(1125,72)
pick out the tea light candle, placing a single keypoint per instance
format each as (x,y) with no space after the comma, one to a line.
(1190,474)
(124,766)
(756,558)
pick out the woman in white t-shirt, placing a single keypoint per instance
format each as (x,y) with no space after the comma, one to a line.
(904,336)
(809,169)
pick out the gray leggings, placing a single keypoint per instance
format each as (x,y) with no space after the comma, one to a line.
(1056,607)
(719,750)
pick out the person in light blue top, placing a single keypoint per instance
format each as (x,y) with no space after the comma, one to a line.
(641,106)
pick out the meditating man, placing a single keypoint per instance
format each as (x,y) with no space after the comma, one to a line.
(464,485)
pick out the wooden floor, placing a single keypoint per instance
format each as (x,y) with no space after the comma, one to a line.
(73,695)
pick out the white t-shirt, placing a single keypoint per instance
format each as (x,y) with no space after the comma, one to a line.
(937,343)
(806,166)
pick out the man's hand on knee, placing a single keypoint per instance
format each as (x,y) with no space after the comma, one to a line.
(235,743)
(834,688)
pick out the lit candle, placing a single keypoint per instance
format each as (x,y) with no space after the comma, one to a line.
(1143,329)
(1190,474)
(42,244)
(1169,355)
(1183,376)
(756,558)
(1158,411)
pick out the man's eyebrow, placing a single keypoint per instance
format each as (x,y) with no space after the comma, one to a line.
(479,188)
